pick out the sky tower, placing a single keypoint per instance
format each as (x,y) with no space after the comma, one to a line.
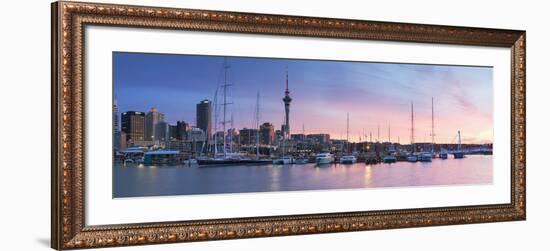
(287,101)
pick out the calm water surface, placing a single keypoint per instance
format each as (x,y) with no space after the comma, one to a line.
(180,180)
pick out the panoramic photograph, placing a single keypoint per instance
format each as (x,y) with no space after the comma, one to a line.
(197,125)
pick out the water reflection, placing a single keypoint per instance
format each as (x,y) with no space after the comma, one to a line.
(179,180)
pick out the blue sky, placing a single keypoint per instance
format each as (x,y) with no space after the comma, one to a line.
(323,92)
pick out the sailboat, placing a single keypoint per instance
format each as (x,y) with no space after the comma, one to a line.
(459,154)
(348,158)
(442,151)
(302,159)
(226,158)
(427,156)
(390,156)
(412,157)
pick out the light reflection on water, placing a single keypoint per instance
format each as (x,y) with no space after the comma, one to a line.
(180,180)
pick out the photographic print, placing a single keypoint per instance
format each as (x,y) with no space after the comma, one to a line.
(194,124)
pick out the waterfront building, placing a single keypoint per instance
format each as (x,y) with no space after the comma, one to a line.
(197,140)
(181,130)
(161,131)
(298,137)
(338,145)
(232,138)
(267,134)
(196,134)
(152,118)
(119,140)
(204,117)
(178,145)
(278,137)
(247,136)
(162,157)
(133,125)
(115,116)
(321,138)
(172,132)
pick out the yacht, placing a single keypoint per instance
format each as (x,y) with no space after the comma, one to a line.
(425,157)
(286,160)
(389,159)
(412,158)
(324,158)
(348,159)
(443,154)
(301,161)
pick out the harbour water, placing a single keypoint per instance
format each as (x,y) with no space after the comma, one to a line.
(137,181)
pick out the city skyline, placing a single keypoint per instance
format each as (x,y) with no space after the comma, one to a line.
(323,92)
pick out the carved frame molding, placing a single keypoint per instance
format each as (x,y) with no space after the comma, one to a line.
(68,226)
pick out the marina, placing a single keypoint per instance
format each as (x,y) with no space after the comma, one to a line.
(234,149)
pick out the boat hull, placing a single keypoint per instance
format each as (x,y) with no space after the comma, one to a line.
(226,162)
(389,160)
(458,155)
(322,161)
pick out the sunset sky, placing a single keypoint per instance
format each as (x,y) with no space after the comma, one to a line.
(323,92)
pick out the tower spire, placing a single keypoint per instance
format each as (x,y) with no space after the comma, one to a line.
(286,89)
(287,100)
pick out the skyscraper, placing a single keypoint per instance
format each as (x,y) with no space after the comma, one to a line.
(287,100)
(152,118)
(162,131)
(115,116)
(133,125)
(181,130)
(267,134)
(204,117)
(248,136)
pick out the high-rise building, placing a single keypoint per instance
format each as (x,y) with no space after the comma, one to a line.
(172,132)
(181,130)
(119,140)
(196,134)
(248,136)
(278,136)
(267,134)
(204,117)
(115,116)
(152,118)
(161,131)
(133,124)
(287,100)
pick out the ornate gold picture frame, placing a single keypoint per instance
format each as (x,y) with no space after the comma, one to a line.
(69,230)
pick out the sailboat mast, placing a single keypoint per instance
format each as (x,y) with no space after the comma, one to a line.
(231,135)
(347,132)
(459,141)
(224,103)
(378,135)
(347,127)
(433,134)
(258,124)
(389,132)
(216,120)
(412,123)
